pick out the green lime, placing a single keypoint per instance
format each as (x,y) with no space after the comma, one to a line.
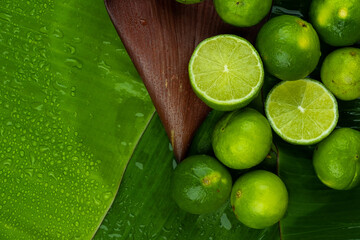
(189,1)
(289,47)
(226,72)
(301,112)
(340,73)
(336,159)
(336,21)
(242,139)
(242,13)
(200,184)
(259,199)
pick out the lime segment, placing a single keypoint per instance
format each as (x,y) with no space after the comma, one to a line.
(226,72)
(301,112)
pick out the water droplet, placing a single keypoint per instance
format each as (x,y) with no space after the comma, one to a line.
(29,171)
(58,33)
(104,66)
(73,62)
(143,22)
(38,106)
(32,158)
(43,148)
(22,153)
(71,49)
(107,195)
(73,93)
(5,16)
(167,230)
(225,223)
(174,163)
(51,174)
(7,162)
(77,40)
(139,165)
(38,37)
(44,29)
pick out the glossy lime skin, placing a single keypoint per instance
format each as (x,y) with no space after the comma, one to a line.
(242,139)
(336,159)
(242,13)
(200,184)
(336,21)
(289,47)
(259,199)
(189,1)
(340,73)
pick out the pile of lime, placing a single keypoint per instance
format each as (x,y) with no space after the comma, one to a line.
(227,73)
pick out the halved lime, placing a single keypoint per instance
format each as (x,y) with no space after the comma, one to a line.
(226,72)
(301,112)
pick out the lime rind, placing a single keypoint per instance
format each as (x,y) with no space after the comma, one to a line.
(323,134)
(227,105)
(200,184)
(335,159)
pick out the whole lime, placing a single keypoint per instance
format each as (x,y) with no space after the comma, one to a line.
(242,139)
(242,13)
(289,47)
(337,159)
(336,21)
(259,199)
(189,1)
(200,184)
(340,73)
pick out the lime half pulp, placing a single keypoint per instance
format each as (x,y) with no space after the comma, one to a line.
(226,72)
(301,112)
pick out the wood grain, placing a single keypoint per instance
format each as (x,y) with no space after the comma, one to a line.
(160,36)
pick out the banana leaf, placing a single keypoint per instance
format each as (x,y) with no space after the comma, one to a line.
(72,109)
(144,209)
(75,115)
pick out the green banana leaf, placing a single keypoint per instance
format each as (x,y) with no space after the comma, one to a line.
(74,115)
(144,209)
(72,109)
